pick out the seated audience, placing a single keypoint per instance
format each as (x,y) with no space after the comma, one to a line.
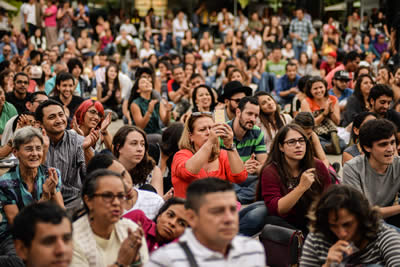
(167,226)
(291,179)
(346,230)
(200,155)
(101,237)
(109,92)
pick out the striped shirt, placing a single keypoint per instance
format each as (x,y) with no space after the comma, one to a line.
(68,156)
(252,142)
(303,28)
(244,252)
(385,250)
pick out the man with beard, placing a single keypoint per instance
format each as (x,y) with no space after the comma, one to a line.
(19,96)
(68,151)
(340,90)
(376,173)
(249,142)
(231,95)
(380,97)
(63,93)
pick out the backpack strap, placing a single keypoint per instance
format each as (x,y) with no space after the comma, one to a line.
(189,254)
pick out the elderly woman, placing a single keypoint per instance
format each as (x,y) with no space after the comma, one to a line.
(169,224)
(28,182)
(101,237)
(200,155)
(90,116)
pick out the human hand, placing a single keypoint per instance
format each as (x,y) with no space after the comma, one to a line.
(46,140)
(130,247)
(106,122)
(294,90)
(109,92)
(335,253)
(24,121)
(91,139)
(152,105)
(252,164)
(307,179)
(49,186)
(169,194)
(224,131)
(75,126)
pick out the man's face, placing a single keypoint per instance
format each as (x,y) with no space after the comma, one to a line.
(344,225)
(291,72)
(299,14)
(216,222)
(66,88)
(381,104)
(21,84)
(196,82)
(382,151)
(39,99)
(233,102)
(6,51)
(277,54)
(331,60)
(179,75)
(353,65)
(103,61)
(53,56)
(54,119)
(341,84)
(249,115)
(50,247)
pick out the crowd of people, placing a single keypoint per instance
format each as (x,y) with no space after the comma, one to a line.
(228,121)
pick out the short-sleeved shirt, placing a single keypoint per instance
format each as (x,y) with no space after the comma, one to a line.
(153,126)
(252,142)
(7,113)
(276,68)
(345,94)
(14,191)
(19,104)
(73,105)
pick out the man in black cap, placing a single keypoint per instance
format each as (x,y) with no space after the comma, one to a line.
(231,95)
(340,88)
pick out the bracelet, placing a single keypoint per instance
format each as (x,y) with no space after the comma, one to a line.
(232,148)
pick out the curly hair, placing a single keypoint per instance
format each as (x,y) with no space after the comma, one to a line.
(146,165)
(339,197)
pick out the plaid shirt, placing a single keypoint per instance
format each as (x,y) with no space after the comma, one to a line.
(14,191)
(303,28)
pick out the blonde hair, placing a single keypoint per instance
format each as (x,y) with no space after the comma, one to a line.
(186,143)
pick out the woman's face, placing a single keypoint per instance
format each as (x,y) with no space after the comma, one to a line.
(163,69)
(153,59)
(172,223)
(37,33)
(9,77)
(295,151)
(303,58)
(112,73)
(203,97)
(274,21)
(92,118)
(107,205)
(267,104)
(318,90)
(134,148)
(365,86)
(253,62)
(237,76)
(46,69)
(188,70)
(201,131)
(30,154)
(366,39)
(144,85)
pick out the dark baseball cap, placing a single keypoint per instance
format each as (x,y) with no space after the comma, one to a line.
(342,75)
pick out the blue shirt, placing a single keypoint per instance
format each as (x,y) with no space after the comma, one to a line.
(14,191)
(345,94)
(285,84)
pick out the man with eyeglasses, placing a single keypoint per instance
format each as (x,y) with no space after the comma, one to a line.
(20,95)
(231,95)
(33,102)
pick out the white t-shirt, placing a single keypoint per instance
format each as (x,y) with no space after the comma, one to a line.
(148,202)
(30,11)
(179,28)
(124,42)
(207,56)
(254,43)
(146,53)
(129,28)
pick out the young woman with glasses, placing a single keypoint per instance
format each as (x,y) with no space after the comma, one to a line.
(291,178)
(200,155)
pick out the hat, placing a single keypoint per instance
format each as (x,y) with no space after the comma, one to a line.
(342,75)
(333,54)
(232,88)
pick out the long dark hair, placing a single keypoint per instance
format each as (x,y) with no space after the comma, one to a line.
(146,165)
(194,96)
(357,89)
(358,120)
(266,119)
(277,158)
(116,80)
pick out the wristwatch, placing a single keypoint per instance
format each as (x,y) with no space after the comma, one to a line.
(232,148)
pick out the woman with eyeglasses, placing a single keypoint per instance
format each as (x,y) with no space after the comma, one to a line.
(200,154)
(101,237)
(90,117)
(291,179)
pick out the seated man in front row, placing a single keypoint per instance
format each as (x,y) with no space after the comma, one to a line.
(212,239)
(376,174)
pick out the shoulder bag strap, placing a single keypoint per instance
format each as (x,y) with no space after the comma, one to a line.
(189,254)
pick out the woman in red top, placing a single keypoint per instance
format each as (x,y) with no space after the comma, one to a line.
(291,179)
(200,155)
(326,112)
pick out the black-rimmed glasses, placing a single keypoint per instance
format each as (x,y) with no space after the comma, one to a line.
(110,197)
